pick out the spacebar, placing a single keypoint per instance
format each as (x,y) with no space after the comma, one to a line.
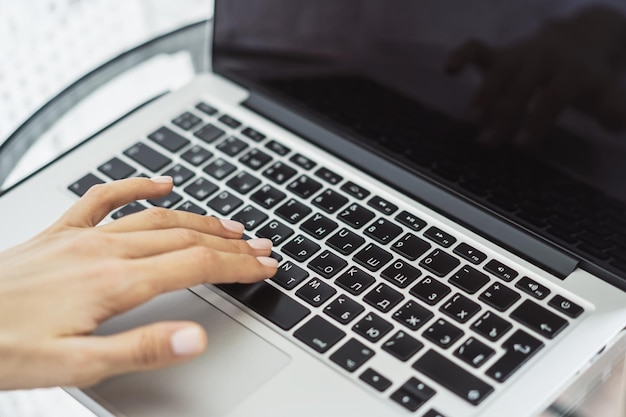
(269,302)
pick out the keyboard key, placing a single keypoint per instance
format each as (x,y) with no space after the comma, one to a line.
(304,186)
(255,159)
(411,221)
(269,302)
(400,273)
(316,292)
(355,280)
(352,355)
(500,270)
(190,207)
(279,172)
(345,241)
(128,209)
(116,169)
(168,201)
(293,211)
(250,217)
(343,309)
(232,146)
(413,315)
(209,133)
(383,297)
(499,296)
(330,201)
(229,121)
(372,327)
(532,287)
(413,394)
(318,226)
(201,188)
(442,333)
(375,380)
(277,148)
(469,279)
(433,413)
(382,205)
(224,203)
(81,186)
(474,352)
(327,264)
(383,231)
(302,161)
(540,319)
(168,139)
(206,108)
(491,326)
(300,248)
(460,308)
(197,155)
(355,215)
(402,346)
(410,246)
(319,334)
(289,275)
(355,190)
(469,253)
(267,196)
(243,182)
(565,306)
(520,347)
(439,236)
(179,174)
(220,169)
(429,290)
(147,157)
(328,176)
(187,121)
(275,231)
(453,377)
(253,134)
(439,262)
(372,257)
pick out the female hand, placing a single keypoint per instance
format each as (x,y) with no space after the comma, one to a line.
(56,288)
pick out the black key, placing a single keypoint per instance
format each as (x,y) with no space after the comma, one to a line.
(433,413)
(345,241)
(267,196)
(500,270)
(410,220)
(255,159)
(318,226)
(315,292)
(190,207)
(442,333)
(439,236)
(302,161)
(147,157)
(187,121)
(402,346)
(491,326)
(469,253)
(375,380)
(220,169)
(429,290)
(327,264)
(229,121)
(566,306)
(343,309)
(520,347)
(532,287)
(277,147)
(453,377)
(469,279)
(279,172)
(355,190)
(330,201)
(328,176)
(300,248)
(231,146)
(382,205)
(355,215)
(289,275)
(383,297)
(209,133)
(355,280)
(372,257)
(168,139)
(130,208)
(400,273)
(81,186)
(499,296)
(201,188)
(269,302)
(250,217)
(410,246)
(243,182)
(439,262)
(352,355)
(474,352)
(413,315)
(275,231)
(304,186)
(383,231)
(205,108)
(179,174)
(168,201)
(253,134)
(319,334)
(116,169)
(224,203)
(293,211)
(413,394)
(372,327)
(460,308)
(197,155)
(540,319)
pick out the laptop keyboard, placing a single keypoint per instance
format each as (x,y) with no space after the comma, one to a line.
(360,275)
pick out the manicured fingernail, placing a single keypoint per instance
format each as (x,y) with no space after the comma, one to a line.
(165,179)
(232,225)
(267,261)
(187,341)
(260,243)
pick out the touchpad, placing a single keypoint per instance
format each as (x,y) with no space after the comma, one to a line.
(236,363)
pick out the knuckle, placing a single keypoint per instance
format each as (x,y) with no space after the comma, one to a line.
(187,236)
(158,215)
(148,351)
(98,191)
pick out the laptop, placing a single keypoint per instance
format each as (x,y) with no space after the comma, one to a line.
(421,272)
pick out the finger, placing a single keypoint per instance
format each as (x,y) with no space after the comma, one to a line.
(473,52)
(101,199)
(159,218)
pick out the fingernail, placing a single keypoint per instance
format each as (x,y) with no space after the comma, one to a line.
(187,341)
(165,179)
(267,261)
(232,225)
(260,243)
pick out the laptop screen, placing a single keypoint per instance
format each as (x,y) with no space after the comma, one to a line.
(519,106)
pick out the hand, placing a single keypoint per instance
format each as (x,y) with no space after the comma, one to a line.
(56,288)
(526,85)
